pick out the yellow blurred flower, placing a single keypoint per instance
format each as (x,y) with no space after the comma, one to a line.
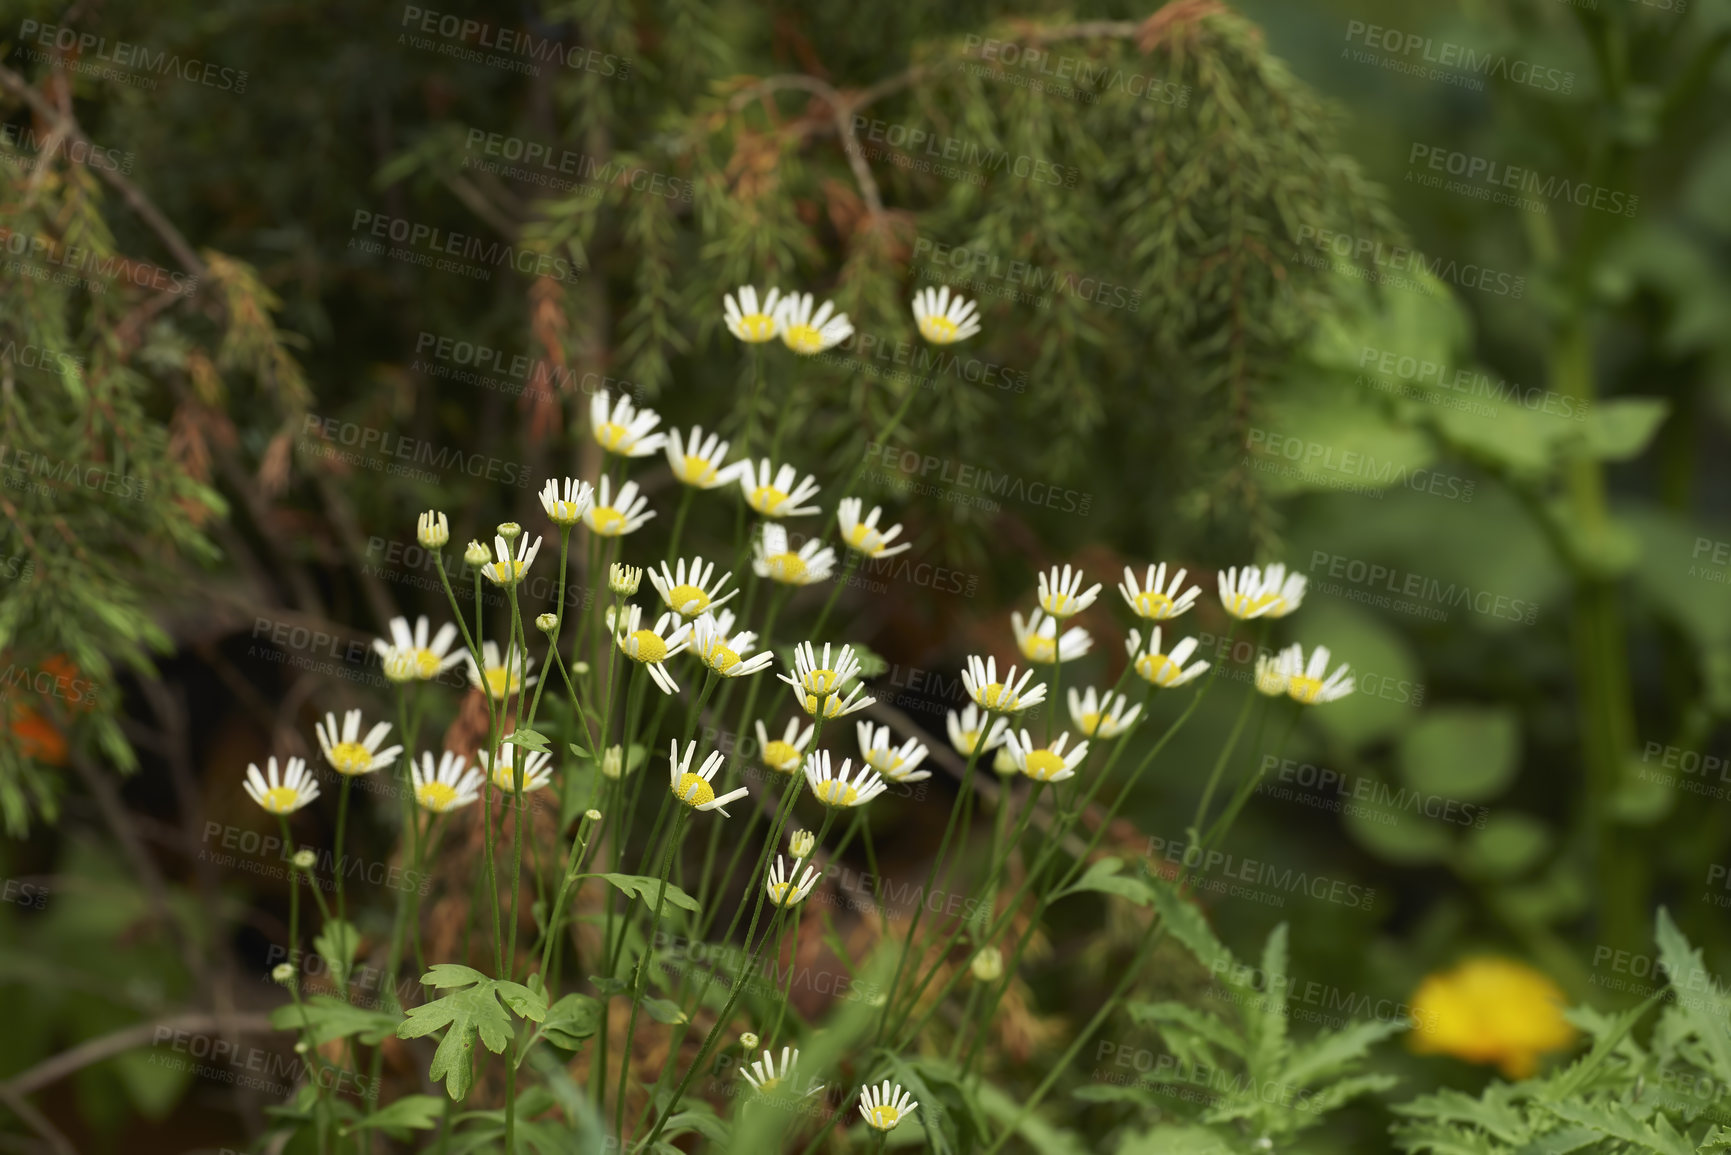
(1491,1010)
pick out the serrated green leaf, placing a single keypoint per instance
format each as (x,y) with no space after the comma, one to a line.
(411,1112)
(571,1020)
(1706,1006)
(1103,876)
(452,975)
(529,740)
(466,1014)
(337,943)
(328,1017)
(649,889)
(528,1002)
(1184,922)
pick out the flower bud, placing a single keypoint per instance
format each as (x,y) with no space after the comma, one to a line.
(802,843)
(282,973)
(432,530)
(988,965)
(510,530)
(476,554)
(613,762)
(1003,762)
(547,623)
(592,815)
(749,1041)
(624,579)
(304,859)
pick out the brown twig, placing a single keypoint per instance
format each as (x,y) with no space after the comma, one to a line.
(93,1051)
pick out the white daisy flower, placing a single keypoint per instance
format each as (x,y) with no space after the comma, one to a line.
(349,753)
(764,1076)
(777,492)
(882,1108)
(566,506)
(612,517)
(1272,675)
(687,589)
(1061,592)
(502,677)
(507,570)
(749,321)
(898,764)
(1261,593)
(783,754)
(281,792)
(773,559)
(1010,696)
(944,318)
(836,705)
(967,728)
(806,334)
(835,789)
(1165,670)
(1101,715)
(537,768)
(653,647)
(726,655)
(1312,684)
(454,783)
(1045,763)
(826,675)
(696,790)
(409,656)
(625,429)
(698,462)
(624,579)
(801,843)
(782,890)
(1038,639)
(432,530)
(864,536)
(1156,599)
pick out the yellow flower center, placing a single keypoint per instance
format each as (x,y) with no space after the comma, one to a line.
(505,778)
(505,573)
(885,1118)
(1157,668)
(607,521)
(564,513)
(499,681)
(1244,605)
(688,600)
(803,339)
(351,758)
(649,646)
(822,681)
(694,791)
(835,792)
(719,657)
(997,696)
(831,705)
(1153,604)
(755,327)
(970,739)
(1271,682)
(938,330)
(612,436)
(696,470)
(1054,603)
(1303,689)
(281,799)
(766,499)
(426,664)
(1040,648)
(402,667)
(1041,765)
(885,762)
(436,796)
(862,537)
(778,895)
(782,756)
(1090,723)
(785,567)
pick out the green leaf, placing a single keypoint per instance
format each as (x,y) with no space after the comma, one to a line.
(664,1011)
(466,1014)
(1706,1006)
(1267,1031)
(337,943)
(1184,921)
(649,890)
(1619,429)
(1175,1141)
(1331,1052)
(452,975)
(1103,876)
(1463,753)
(329,1017)
(1616,1121)
(1508,845)
(529,740)
(1203,1026)
(413,1112)
(571,1020)
(528,1002)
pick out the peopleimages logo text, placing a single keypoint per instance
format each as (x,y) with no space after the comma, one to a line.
(139,57)
(435,240)
(514,42)
(1523,180)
